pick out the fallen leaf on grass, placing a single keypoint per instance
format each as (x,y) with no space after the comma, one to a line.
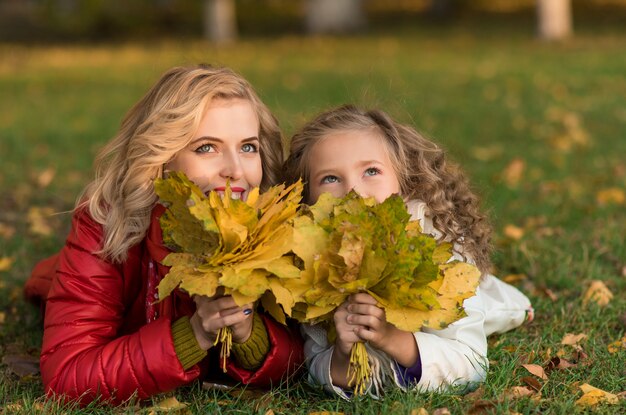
(611,196)
(481,407)
(45,177)
(536,370)
(513,278)
(3,317)
(593,396)
(517,392)
(6,231)
(22,365)
(513,232)
(573,339)
(336,413)
(419,411)
(598,293)
(513,172)
(557,363)
(269,412)
(170,405)
(441,411)
(550,294)
(477,394)
(617,345)
(532,382)
(37,218)
(5,263)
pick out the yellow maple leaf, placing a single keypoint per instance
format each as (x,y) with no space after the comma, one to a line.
(593,396)
(599,293)
(6,263)
(617,346)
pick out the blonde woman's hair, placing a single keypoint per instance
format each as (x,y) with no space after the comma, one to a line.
(156,128)
(421,168)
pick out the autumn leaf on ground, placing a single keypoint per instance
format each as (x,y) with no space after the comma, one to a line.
(3,317)
(513,172)
(536,370)
(617,346)
(611,196)
(6,231)
(45,177)
(532,382)
(170,405)
(419,411)
(517,392)
(38,218)
(593,396)
(573,339)
(513,278)
(22,365)
(558,363)
(513,232)
(599,293)
(5,263)
(325,413)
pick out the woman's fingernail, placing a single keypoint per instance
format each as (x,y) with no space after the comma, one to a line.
(247,311)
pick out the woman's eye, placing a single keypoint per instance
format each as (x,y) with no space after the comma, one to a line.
(205,148)
(330,179)
(372,171)
(248,148)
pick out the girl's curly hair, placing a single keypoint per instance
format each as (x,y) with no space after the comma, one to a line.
(421,167)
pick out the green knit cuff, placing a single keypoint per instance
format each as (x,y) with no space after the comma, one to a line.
(251,353)
(187,348)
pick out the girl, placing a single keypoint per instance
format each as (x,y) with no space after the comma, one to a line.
(347,148)
(104,333)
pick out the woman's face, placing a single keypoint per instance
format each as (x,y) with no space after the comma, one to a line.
(225,148)
(352,160)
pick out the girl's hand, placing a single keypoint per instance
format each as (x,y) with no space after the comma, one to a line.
(346,335)
(212,314)
(369,320)
(370,325)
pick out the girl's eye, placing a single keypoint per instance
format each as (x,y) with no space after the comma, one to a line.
(205,148)
(372,171)
(248,148)
(330,179)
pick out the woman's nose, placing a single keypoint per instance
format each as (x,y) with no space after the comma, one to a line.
(231,166)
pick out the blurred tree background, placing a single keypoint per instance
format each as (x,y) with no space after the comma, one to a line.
(225,20)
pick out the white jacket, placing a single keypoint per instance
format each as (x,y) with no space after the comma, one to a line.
(456,355)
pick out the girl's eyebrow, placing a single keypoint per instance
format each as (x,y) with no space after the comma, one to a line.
(368,162)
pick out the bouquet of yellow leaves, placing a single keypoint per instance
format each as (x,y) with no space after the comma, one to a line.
(241,246)
(351,245)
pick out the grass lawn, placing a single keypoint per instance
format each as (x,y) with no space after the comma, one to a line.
(540,128)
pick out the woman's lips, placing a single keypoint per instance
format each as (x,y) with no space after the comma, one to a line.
(236,192)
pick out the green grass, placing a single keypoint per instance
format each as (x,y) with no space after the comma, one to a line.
(488,97)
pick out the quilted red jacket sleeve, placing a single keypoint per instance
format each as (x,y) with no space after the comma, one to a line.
(84,353)
(96,339)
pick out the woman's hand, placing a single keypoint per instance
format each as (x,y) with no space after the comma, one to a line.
(214,313)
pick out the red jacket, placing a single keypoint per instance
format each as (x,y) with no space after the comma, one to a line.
(103,334)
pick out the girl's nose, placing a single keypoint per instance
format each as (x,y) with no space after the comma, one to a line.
(361,190)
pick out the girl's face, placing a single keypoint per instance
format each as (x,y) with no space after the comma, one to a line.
(225,148)
(353,159)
